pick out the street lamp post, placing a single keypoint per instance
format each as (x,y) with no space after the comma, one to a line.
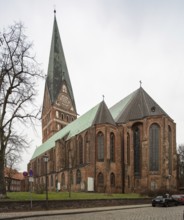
(45,158)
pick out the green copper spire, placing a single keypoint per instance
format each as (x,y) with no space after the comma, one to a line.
(57,69)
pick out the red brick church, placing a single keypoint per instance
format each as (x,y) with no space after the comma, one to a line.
(129,147)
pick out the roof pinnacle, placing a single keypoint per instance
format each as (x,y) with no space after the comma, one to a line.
(54,10)
(103,97)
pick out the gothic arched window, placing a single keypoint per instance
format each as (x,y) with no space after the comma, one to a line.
(87,148)
(100,146)
(62,116)
(64,89)
(57,114)
(136,141)
(78,177)
(80,150)
(112,179)
(128,149)
(154,141)
(100,179)
(112,147)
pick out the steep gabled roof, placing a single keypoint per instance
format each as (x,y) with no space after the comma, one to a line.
(97,115)
(103,115)
(135,106)
(57,68)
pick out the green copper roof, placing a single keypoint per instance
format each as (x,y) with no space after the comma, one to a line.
(72,129)
(97,115)
(136,106)
(57,68)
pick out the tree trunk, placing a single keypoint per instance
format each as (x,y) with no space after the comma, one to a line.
(2,177)
(9,184)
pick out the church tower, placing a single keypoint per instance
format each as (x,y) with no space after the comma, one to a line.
(58,104)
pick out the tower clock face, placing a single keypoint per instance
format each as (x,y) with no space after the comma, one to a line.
(65,101)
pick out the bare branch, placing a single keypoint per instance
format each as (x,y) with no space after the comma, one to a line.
(19,74)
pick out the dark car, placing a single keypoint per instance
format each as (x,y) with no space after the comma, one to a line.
(164,201)
(179,198)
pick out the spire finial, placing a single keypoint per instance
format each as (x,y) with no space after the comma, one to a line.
(140,83)
(103,97)
(55,10)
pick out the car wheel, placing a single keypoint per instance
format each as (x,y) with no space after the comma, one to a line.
(166,204)
(153,205)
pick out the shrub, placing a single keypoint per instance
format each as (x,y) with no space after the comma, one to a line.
(161,191)
(39,188)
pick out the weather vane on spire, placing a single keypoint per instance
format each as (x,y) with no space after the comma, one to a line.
(140,83)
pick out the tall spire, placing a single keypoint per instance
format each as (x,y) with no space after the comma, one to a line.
(57,68)
(58,104)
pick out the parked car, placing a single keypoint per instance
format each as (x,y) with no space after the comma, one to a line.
(164,201)
(179,198)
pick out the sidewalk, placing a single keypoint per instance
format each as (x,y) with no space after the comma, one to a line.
(19,215)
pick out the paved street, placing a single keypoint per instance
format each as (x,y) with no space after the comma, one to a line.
(147,213)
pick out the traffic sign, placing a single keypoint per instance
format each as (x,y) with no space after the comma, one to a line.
(25,173)
(31,173)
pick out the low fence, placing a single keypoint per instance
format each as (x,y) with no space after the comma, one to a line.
(7,206)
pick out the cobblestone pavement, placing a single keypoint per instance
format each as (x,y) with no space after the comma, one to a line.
(147,213)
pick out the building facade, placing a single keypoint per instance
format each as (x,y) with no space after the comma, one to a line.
(130,147)
(15,181)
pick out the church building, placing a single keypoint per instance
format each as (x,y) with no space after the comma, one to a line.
(130,147)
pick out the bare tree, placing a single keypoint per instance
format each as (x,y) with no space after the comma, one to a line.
(19,73)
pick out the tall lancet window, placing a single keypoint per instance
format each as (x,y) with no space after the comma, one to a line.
(87,148)
(100,179)
(78,177)
(154,142)
(136,141)
(128,149)
(112,147)
(80,150)
(100,146)
(170,149)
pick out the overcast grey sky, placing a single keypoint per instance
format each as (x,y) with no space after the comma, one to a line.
(109,45)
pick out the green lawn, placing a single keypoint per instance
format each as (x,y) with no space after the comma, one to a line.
(22,196)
